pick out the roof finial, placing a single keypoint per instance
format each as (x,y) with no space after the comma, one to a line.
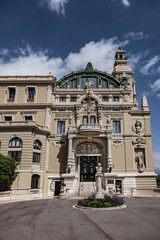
(144,103)
(89,67)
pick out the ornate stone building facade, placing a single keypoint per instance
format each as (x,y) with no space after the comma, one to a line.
(59,131)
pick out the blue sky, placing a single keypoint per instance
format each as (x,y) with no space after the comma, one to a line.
(60,36)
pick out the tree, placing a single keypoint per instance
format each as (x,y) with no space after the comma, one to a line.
(7,172)
(158,181)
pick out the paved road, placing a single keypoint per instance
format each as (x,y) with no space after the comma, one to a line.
(57,220)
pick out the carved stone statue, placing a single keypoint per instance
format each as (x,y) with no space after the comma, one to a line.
(108,119)
(99,168)
(141,165)
(135,102)
(89,84)
(70,119)
(77,115)
(99,194)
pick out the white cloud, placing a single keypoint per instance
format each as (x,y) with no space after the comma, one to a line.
(134,59)
(135,35)
(29,62)
(146,69)
(155,86)
(125,3)
(4,52)
(55,5)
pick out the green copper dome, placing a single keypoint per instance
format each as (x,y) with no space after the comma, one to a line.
(78,79)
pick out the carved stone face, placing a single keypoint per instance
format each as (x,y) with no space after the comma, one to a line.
(138,126)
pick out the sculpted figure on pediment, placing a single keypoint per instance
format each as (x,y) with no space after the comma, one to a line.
(89,84)
(89,148)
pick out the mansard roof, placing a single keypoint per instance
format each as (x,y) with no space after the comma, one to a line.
(90,72)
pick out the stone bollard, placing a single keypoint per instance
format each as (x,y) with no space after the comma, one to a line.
(99,194)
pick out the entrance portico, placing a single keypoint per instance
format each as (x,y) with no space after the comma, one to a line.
(87,166)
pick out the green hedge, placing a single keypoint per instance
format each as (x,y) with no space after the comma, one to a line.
(7,172)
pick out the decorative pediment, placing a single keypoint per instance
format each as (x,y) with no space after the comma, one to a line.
(139,141)
(89,104)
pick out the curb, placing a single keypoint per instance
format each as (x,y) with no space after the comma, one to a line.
(101,209)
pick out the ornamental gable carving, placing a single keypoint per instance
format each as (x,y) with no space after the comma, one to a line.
(89,148)
(89,104)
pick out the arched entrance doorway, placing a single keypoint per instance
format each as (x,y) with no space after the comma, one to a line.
(89,154)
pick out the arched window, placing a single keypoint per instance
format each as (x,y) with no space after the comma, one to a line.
(37,145)
(36,151)
(35,181)
(15,143)
(15,149)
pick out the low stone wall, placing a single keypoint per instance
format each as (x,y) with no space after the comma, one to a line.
(4,196)
(145,192)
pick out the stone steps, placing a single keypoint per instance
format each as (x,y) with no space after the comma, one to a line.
(87,188)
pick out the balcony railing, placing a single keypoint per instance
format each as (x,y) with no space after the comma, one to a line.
(90,128)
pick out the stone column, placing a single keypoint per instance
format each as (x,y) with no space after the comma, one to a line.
(109,154)
(69,159)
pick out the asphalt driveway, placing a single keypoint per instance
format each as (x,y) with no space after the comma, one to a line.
(57,220)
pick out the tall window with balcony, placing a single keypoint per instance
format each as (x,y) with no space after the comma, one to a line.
(116,127)
(85,119)
(92,119)
(36,151)
(15,149)
(61,127)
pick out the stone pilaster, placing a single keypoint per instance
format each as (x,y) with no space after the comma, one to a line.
(109,154)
